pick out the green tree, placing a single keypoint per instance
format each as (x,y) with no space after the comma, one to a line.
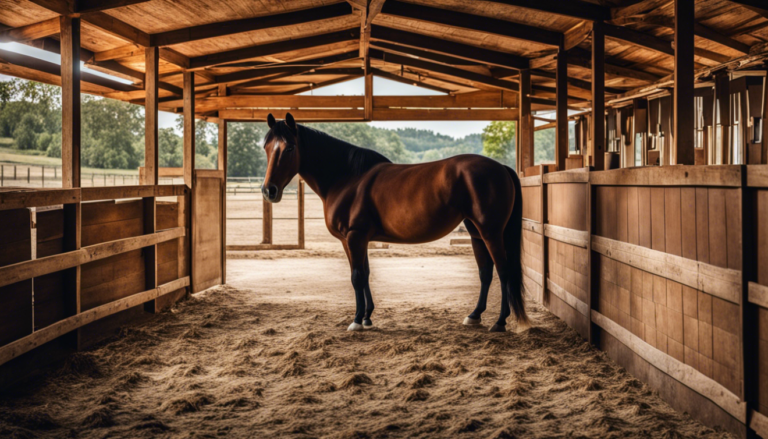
(205,132)
(111,135)
(245,154)
(26,131)
(499,142)
(170,150)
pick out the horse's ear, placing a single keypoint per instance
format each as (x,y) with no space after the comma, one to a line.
(270,120)
(290,121)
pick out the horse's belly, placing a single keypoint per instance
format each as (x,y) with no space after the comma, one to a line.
(418,226)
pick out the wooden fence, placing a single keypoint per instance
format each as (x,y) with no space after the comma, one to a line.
(72,257)
(666,270)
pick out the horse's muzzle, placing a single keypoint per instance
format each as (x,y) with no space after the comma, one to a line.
(271,192)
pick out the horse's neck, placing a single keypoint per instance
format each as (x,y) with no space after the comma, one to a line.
(323,165)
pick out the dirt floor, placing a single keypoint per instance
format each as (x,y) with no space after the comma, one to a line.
(269,356)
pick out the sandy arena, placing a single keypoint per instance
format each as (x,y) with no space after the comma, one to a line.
(269,355)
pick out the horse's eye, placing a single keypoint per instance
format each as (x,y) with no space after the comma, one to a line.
(289,148)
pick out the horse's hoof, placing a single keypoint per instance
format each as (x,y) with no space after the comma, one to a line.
(469,321)
(498,328)
(367,324)
(355,327)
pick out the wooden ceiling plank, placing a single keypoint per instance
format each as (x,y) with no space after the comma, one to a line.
(87,6)
(63,7)
(570,8)
(445,47)
(174,57)
(31,32)
(638,38)
(270,49)
(474,22)
(758,6)
(126,51)
(220,29)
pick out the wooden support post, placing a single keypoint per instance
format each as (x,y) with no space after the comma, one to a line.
(764,154)
(525,159)
(544,240)
(70,158)
(189,171)
(266,223)
(597,126)
(684,110)
(723,117)
(151,166)
(749,319)
(368,90)
(300,196)
(562,109)
(223,167)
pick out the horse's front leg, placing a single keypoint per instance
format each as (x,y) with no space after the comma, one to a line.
(367,323)
(357,243)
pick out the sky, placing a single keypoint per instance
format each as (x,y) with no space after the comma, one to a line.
(381,87)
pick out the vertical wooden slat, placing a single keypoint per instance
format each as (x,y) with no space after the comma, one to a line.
(597,127)
(723,105)
(702,224)
(683,112)
(672,224)
(688,221)
(633,216)
(718,254)
(266,222)
(189,171)
(544,240)
(622,211)
(764,154)
(368,89)
(644,218)
(658,239)
(561,151)
(733,209)
(526,122)
(222,155)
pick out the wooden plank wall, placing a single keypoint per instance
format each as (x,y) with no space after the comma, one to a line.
(651,266)
(16,242)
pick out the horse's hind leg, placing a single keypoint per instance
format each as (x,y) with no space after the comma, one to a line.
(485,266)
(495,244)
(357,245)
(367,323)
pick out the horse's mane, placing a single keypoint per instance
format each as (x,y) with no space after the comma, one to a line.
(336,152)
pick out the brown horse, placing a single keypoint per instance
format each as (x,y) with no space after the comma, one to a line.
(368,198)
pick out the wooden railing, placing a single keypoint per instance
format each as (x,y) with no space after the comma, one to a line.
(73,256)
(665,269)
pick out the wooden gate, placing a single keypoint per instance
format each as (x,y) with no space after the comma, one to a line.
(208,243)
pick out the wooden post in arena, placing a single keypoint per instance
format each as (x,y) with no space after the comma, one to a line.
(561,153)
(683,94)
(189,171)
(525,159)
(597,125)
(223,167)
(151,165)
(70,156)
(300,196)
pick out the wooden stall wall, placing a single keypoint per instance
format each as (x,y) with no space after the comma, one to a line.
(15,240)
(757,314)
(532,242)
(208,235)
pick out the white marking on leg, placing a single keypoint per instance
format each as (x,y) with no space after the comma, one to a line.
(355,327)
(469,321)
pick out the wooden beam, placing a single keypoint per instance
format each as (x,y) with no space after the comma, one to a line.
(561,144)
(222,166)
(479,99)
(597,125)
(575,82)
(127,51)
(292,68)
(683,95)
(758,6)
(525,156)
(221,29)
(70,102)
(62,7)
(637,8)
(478,23)
(368,89)
(580,58)
(571,8)
(446,47)
(118,28)
(270,49)
(638,38)
(422,54)
(409,81)
(374,8)
(313,86)
(277,101)
(445,70)
(151,126)
(382,114)
(31,32)
(174,57)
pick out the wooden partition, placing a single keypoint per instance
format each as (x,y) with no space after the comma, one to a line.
(652,265)
(208,229)
(42,302)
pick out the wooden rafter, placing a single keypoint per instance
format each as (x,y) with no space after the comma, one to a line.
(445,47)
(220,29)
(758,6)
(409,81)
(31,32)
(270,49)
(445,70)
(118,28)
(474,22)
(293,69)
(570,8)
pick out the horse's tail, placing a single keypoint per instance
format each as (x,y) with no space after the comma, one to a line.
(512,244)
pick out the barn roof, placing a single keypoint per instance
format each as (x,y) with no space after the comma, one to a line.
(272,48)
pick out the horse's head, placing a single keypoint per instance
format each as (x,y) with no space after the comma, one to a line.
(282,147)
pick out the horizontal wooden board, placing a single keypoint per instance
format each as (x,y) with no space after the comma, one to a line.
(677,175)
